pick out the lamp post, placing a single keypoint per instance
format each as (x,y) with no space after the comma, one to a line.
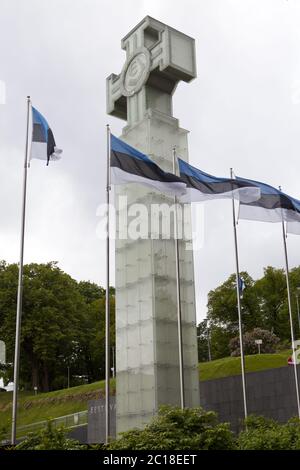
(67,361)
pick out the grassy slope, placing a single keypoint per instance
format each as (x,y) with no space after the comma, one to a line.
(232,365)
(62,402)
(34,408)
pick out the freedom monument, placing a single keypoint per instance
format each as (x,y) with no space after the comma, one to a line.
(147,346)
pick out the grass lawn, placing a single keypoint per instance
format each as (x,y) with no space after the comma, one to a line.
(34,408)
(232,365)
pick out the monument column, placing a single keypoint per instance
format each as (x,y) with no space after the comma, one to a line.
(147,357)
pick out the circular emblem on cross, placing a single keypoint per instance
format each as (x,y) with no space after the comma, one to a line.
(135,72)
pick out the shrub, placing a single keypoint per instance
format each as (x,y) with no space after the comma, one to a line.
(266,434)
(269,342)
(4,432)
(49,438)
(177,429)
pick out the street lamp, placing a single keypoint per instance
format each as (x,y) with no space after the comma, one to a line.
(67,361)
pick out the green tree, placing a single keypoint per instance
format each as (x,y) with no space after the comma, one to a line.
(90,291)
(219,340)
(50,438)
(63,325)
(272,297)
(222,305)
(203,337)
(177,429)
(263,305)
(294,277)
(93,342)
(52,318)
(266,434)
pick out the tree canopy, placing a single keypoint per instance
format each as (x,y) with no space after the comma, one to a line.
(264,305)
(62,325)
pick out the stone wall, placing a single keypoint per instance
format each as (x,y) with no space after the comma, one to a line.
(270,393)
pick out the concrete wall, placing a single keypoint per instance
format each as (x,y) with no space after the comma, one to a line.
(79,433)
(271,393)
(96,420)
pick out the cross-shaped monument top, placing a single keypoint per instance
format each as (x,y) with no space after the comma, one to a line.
(157,58)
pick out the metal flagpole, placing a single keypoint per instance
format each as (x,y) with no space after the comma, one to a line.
(107,302)
(291,316)
(208,344)
(20,288)
(178,296)
(298,312)
(239,304)
(113,362)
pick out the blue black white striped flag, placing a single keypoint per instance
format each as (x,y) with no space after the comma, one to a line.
(241,286)
(203,187)
(272,206)
(43,145)
(129,165)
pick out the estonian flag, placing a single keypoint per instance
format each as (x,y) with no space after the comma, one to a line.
(241,286)
(43,145)
(203,187)
(293,227)
(273,205)
(128,165)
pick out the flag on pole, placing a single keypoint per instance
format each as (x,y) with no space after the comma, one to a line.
(272,206)
(293,227)
(203,187)
(43,146)
(128,165)
(241,286)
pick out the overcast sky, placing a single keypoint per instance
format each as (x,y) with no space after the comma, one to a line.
(243,111)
